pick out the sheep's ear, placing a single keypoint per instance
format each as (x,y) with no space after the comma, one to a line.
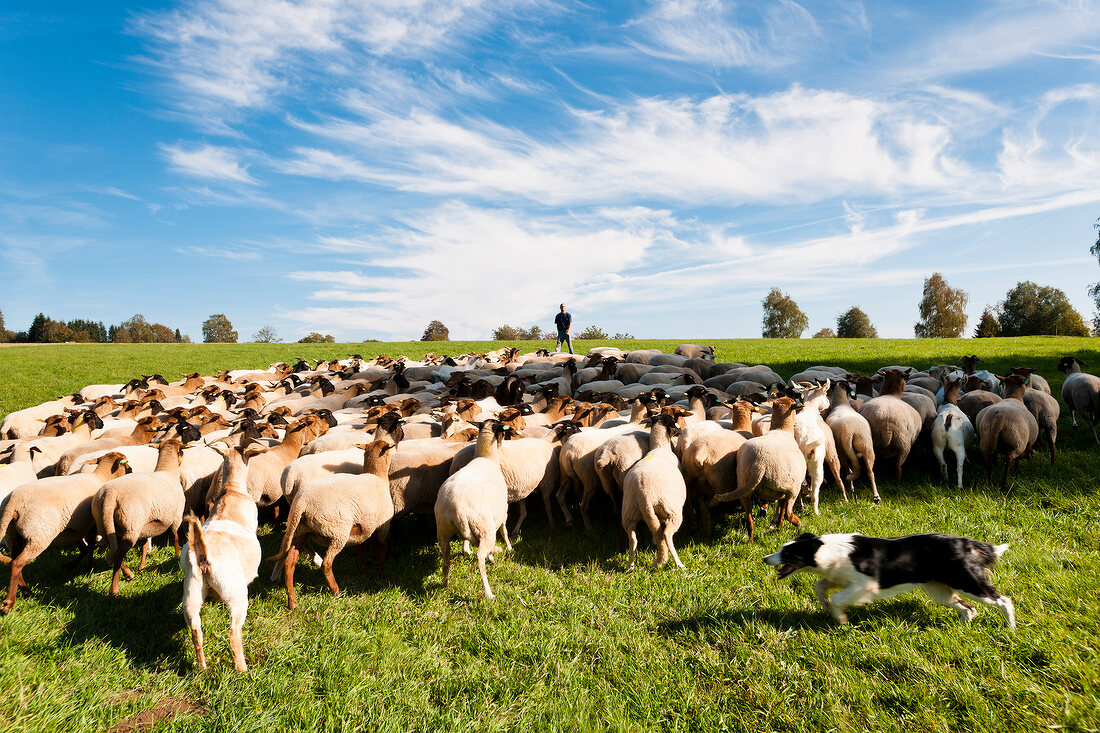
(253,449)
(362,446)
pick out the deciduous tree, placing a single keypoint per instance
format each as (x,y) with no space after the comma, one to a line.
(825,333)
(854,324)
(436,331)
(218,329)
(1032,310)
(266,335)
(318,338)
(942,309)
(783,318)
(593,333)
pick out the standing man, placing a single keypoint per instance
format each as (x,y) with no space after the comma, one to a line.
(564,322)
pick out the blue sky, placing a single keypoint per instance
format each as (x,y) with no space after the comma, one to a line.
(360,168)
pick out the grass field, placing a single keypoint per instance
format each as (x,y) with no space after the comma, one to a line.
(572,641)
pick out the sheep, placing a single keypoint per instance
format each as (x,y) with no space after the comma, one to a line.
(1081,393)
(852,434)
(812,434)
(973,402)
(895,424)
(694,351)
(29,422)
(138,506)
(709,456)
(1007,427)
(1046,411)
(770,467)
(654,492)
(48,513)
(222,556)
(143,432)
(336,511)
(1038,382)
(528,465)
(473,503)
(952,430)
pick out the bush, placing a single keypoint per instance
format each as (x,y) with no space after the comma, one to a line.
(825,333)
(317,338)
(593,333)
(623,337)
(988,327)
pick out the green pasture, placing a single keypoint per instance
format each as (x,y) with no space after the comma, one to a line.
(572,641)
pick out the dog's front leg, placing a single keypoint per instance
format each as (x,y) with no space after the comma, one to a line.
(822,588)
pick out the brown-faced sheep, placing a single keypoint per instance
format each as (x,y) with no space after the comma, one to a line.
(654,492)
(1007,427)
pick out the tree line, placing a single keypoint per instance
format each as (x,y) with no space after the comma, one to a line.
(1028,309)
(136,329)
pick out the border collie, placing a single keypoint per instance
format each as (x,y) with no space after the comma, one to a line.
(868,568)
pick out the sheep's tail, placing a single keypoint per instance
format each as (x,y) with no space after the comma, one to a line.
(294,517)
(109,521)
(6,518)
(196,544)
(947,422)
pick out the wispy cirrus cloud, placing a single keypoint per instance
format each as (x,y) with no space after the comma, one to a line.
(207,161)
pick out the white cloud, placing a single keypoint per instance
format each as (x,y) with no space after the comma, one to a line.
(238,54)
(207,161)
(474,269)
(797,144)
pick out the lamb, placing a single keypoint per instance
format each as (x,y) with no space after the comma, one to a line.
(770,467)
(51,512)
(1081,393)
(895,424)
(138,506)
(222,556)
(1007,427)
(336,511)
(952,430)
(852,434)
(654,492)
(473,503)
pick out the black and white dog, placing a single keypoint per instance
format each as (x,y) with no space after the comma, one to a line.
(868,568)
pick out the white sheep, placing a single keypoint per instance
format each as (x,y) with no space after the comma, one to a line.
(51,512)
(140,506)
(654,492)
(336,511)
(473,503)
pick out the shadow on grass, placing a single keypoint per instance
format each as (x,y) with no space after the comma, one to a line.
(144,626)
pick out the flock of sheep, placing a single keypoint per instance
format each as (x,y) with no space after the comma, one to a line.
(340,449)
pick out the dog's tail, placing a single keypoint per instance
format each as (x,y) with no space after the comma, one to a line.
(999,550)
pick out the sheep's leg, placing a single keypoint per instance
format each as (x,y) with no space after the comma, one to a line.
(937,450)
(121,549)
(326,565)
(870,461)
(521,517)
(485,547)
(504,536)
(563,490)
(586,500)
(193,593)
(380,545)
(989,458)
(632,542)
(746,504)
(144,552)
(704,517)
(466,547)
(786,510)
(546,505)
(289,561)
(174,533)
(902,455)
(960,461)
(669,530)
(1009,460)
(26,553)
(816,475)
(445,556)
